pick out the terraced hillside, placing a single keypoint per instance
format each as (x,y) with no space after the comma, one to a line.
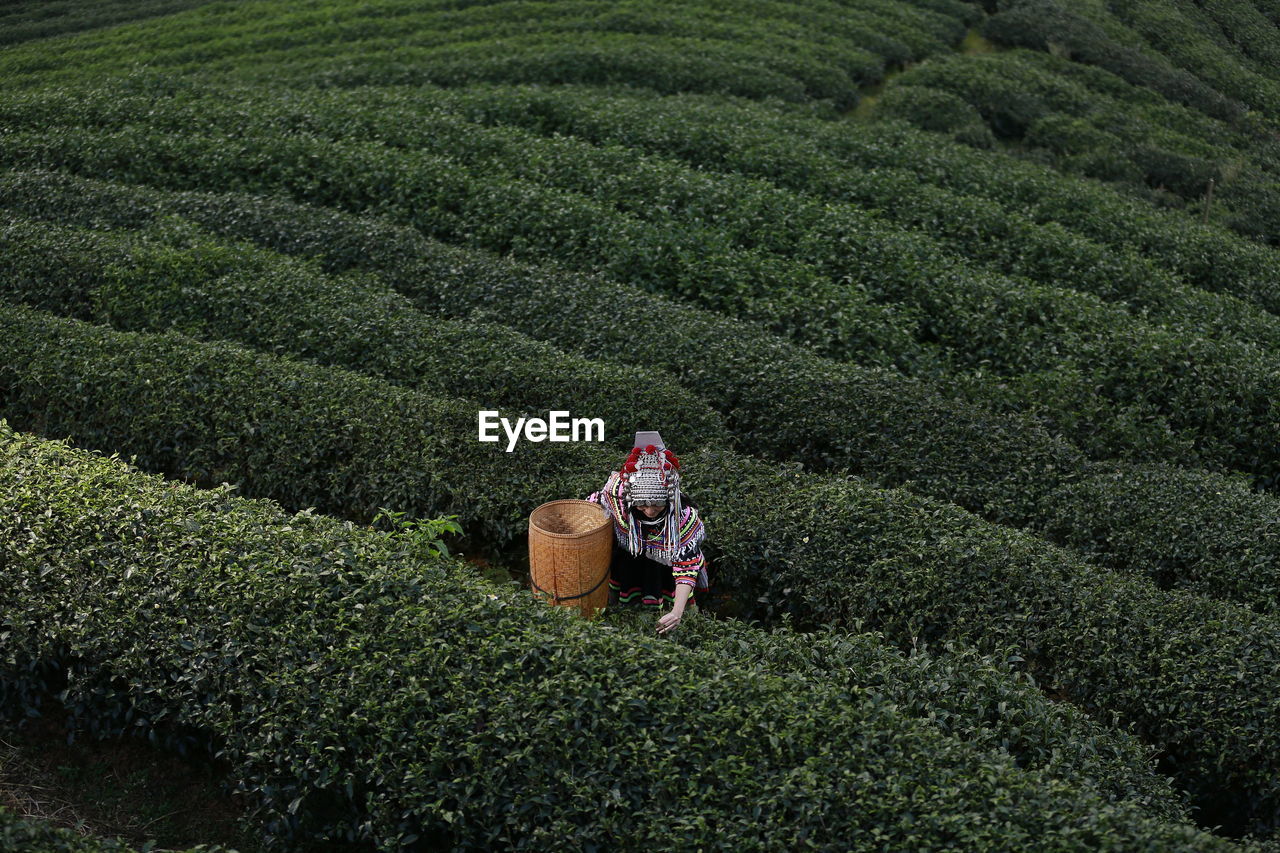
(974,377)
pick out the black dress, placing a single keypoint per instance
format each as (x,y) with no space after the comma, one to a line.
(638,581)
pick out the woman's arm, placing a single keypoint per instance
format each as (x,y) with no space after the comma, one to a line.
(686,566)
(672,619)
(688,562)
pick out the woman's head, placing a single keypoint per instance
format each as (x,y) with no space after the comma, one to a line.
(651,476)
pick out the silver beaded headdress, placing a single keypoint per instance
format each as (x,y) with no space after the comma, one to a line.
(652,475)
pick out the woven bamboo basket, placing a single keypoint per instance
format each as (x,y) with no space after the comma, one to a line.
(570,548)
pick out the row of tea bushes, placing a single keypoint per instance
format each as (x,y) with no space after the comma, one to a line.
(1038,84)
(302,434)
(816,130)
(1057,84)
(902,170)
(781,402)
(662,63)
(761,50)
(488,208)
(983,699)
(175,276)
(324,663)
(319,436)
(751,213)
(1155,149)
(776,398)
(1209,257)
(23,22)
(1191,676)
(830,552)
(1220,397)
(1250,31)
(166,288)
(754,214)
(186,282)
(931,297)
(1204,532)
(1205,57)
(1003,239)
(1035,24)
(1169,28)
(640,186)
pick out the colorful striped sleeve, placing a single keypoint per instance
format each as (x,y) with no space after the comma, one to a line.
(604,493)
(689,561)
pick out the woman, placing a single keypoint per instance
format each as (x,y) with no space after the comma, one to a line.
(658,533)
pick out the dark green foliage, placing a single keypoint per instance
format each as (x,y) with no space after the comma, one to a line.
(777,398)
(25,20)
(175,277)
(1028,220)
(303,435)
(1193,677)
(1067,345)
(835,553)
(816,49)
(855,287)
(1038,24)
(1171,29)
(984,699)
(664,63)
(1114,131)
(937,110)
(783,402)
(361,690)
(1207,533)
(1248,29)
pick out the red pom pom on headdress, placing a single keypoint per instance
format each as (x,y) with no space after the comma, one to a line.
(649,448)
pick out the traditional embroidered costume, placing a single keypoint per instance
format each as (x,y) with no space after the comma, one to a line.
(651,556)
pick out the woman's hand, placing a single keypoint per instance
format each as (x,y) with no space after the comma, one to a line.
(669,620)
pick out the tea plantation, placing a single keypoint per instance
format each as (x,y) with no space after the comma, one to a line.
(964,318)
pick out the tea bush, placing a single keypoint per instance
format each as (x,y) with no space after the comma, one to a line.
(824,414)
(981,698)
(1037,23)
(1171,30)
(1192,676)
(762,50)
(325,664)
(776,397)
(1208,533)
(981,321)
(948,190)
(26,22)
(1085,120)
(176,277)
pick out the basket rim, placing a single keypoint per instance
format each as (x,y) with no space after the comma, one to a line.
(542,531)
